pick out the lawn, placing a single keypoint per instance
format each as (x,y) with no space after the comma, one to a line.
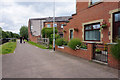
(7,48)
(37,45)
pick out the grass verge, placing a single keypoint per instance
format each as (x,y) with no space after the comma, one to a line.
(37,45)
(7,48)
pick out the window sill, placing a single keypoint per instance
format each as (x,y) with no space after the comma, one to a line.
(92,42)
(91,5)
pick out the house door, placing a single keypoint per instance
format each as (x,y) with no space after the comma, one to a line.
(116,26)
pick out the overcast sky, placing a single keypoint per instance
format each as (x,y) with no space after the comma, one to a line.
(14,14)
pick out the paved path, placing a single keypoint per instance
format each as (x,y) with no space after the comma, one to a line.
(31,62)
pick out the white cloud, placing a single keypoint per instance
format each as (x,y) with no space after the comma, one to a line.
(14,15)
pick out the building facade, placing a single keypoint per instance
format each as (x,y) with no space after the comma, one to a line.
(95,22)
(89,18)
(34,28)
(36,25)
(59,23)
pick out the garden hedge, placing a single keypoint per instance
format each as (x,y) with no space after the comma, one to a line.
(115,50)
(74,42)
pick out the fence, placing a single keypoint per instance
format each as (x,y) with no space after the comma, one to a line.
(43,41)
(100,52)
(2,41)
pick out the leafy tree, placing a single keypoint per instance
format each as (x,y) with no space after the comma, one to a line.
(24,31)
(16,35)
(4,35)
(0,32)
(46,32)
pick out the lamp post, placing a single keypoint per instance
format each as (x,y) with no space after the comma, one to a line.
(54,25)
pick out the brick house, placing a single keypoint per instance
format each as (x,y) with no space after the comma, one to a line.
(86,25)
(59,23)
(35,26)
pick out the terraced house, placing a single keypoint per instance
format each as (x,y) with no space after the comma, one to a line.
(35,26)
(95,23)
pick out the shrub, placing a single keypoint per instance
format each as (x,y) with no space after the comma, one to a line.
(115,50)
(61,41)
(13,40)
(65,43)
(83,46)
(46,32)
(56,37)
(97,50)
(73,43)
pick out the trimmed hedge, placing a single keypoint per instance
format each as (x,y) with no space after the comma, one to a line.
(74,42)
(115,50)
(61,41)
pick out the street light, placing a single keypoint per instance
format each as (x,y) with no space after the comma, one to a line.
(54,25)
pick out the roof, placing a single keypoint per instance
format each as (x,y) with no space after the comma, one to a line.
(57,19)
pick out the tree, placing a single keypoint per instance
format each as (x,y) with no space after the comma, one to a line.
(46,32)
(24,31)
(0,32)
(16,35)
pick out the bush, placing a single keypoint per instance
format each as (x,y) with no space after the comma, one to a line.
(73,43)
(83,46)
(115,50)
(65,43)
(46,32)
(61,41)
(13,40)
(56,37)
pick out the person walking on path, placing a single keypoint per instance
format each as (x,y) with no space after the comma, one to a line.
(23,39)
(20,39)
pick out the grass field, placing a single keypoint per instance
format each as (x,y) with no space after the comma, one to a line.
(7,48)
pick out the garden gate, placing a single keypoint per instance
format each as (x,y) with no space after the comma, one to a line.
(100,52)
(43,41)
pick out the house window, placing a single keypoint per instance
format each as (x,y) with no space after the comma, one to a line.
(61,25)
(117,17)
(48,25)
(94,1)
(71,34)
(55,25)
(92,32)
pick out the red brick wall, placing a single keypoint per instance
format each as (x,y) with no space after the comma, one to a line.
(60,30)
(31,37)
(86,54)
(87,14)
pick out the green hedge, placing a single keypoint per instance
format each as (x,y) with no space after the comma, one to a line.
(61,41)
(74,42)
(115,50)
